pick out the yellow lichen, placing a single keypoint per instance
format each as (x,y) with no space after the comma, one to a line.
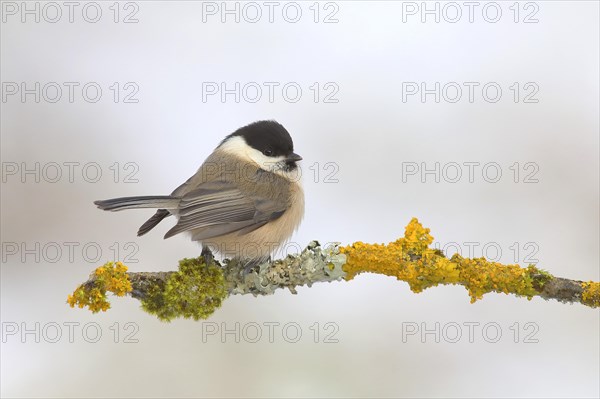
(591,294)
(109,277)
(410,259)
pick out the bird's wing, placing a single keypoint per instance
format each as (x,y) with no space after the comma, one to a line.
(218,207)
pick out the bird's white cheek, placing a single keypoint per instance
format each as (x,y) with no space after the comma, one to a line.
(238,147)
(275,165)
(270,164)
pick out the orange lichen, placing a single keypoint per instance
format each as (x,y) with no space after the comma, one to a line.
(410,259)
(108,277)
(591,294)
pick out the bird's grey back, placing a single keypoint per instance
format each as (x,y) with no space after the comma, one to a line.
(249,178)
(229,195)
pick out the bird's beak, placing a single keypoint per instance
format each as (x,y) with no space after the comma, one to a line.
(293,157)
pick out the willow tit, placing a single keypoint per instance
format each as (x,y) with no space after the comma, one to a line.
(244,201)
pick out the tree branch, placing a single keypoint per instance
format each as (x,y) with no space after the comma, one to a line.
(196,290)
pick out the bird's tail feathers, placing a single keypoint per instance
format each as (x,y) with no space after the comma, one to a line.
(147,201)
(153,221)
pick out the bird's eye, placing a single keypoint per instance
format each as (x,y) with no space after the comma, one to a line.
(268,152)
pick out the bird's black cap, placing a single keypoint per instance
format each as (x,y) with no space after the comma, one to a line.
(268,137)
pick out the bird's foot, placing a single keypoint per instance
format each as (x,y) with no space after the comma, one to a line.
(207,255)
(253,265)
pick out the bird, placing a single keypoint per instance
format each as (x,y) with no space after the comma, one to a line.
(244,201)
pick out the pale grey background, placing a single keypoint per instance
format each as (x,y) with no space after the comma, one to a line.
(368,134)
